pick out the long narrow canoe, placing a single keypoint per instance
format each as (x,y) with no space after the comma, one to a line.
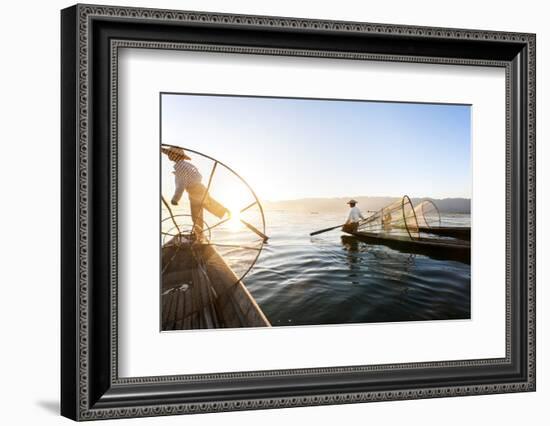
(200,291)
(436,248)
(460,232)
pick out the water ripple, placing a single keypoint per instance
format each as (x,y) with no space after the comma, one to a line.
(300,280)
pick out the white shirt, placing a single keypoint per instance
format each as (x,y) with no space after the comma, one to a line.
(186,175)
(354,215)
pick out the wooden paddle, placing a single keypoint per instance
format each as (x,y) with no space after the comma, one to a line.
(335,227)
(325,230)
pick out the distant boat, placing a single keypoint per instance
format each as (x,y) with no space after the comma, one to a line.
(445,249)
(397,227)
(314,212)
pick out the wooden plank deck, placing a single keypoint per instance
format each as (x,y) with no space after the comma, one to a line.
(206,296)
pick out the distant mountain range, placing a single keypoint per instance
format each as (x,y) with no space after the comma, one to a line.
(445,205)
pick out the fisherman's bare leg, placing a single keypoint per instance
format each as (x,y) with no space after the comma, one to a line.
(198,193)
(198,218)
(214,207)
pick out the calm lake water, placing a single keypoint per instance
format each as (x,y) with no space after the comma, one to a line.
(303,280)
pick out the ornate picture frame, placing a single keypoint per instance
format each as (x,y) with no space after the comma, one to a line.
(91,38)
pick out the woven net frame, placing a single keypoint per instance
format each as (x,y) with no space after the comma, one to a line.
(396,219)
(428,214)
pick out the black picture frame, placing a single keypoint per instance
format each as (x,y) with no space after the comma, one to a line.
(90,386)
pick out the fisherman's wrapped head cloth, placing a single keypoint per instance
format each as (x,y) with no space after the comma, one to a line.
(352,201)
(175,150)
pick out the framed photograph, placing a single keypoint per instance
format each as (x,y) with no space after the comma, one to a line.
(263,212)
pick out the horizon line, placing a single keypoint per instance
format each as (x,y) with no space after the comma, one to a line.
(365,196)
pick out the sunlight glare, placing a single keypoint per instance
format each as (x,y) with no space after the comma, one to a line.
(235,223)
(234,206)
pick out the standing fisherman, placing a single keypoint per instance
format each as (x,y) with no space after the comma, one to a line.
(188,178)
(354,217)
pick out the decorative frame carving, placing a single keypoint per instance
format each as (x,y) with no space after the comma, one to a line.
(91,388)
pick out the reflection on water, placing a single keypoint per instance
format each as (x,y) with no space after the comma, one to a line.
(352,247)
(331,279)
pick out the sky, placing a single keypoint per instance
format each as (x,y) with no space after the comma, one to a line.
(308,148)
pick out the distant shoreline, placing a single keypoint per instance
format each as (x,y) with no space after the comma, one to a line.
(326,205)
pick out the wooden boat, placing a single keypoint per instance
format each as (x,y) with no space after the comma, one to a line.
(397,226)
(199,288)
(446,249)
(460,232)
(200,291)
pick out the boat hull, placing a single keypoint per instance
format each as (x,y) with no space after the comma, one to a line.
(432,247)
(460,232)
